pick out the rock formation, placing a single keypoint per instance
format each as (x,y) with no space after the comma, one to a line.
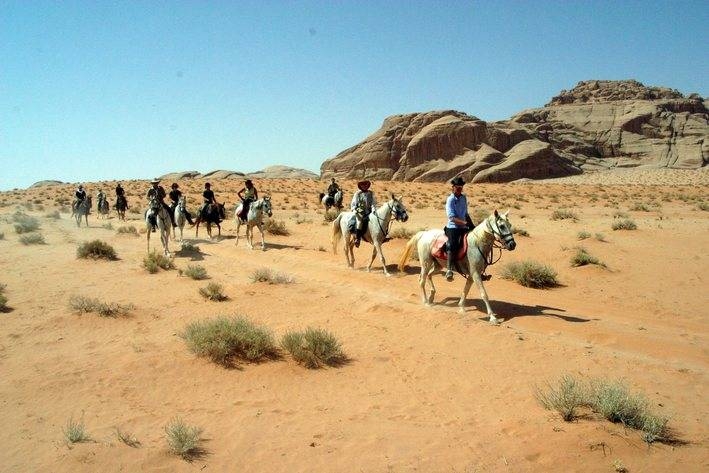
(596,125)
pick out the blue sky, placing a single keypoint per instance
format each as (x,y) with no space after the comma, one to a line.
(102,90)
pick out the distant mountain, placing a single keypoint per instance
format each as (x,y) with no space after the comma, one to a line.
(596,125)
(271,172)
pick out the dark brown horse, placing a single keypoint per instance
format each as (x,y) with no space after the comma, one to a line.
(214,214)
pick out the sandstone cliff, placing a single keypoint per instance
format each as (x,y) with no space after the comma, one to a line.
(596,125)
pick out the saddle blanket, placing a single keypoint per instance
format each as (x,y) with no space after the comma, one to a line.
(438,249)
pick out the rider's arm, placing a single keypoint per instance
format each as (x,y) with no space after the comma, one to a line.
(451,212)
(241,192)
(255,194)
(353,204)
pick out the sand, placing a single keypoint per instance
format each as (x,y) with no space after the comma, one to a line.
(425,388)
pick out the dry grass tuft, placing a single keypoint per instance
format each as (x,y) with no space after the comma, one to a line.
(183,439)
(564,214)
(195,272)
(582,258)
(153,261)
(565,398)
(624,224)
(96,249)
(276,227)
(32,239)
(530,274)
(85,305)
(75,431)
(271,277)
(313,348)
(213,292)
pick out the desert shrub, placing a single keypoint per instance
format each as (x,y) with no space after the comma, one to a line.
(565,398)
(213,292)
(582,258)
(331,215)
(276,227)
(401,232)
(480,214)
(196,272)
(96,249)
(183,439)
(24,223)
(32,239)
(107,226)
(520,231)
(2,235)
(624,224)
(271,277)
(54,215)
(85,305)
(530,274)
(127,230)
(313,347)
(153,261)
(3,298)
(620,215)
(638,207)
(564,214)
(599,237)
(703,206)
(127,438)
(226,339)
(189,248)
(582,235)
(75,431)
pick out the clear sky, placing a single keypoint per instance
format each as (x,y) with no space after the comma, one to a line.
(99,90)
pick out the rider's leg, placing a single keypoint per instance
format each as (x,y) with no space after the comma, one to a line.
(360,231)
(188,216)
(451,249)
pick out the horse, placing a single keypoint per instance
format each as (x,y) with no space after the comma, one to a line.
(180,219)
(214,214)
(495,228)
(377,230)
(254,218)
(162,217)
(102,208)
(83,208)
(331,201)
(121,206)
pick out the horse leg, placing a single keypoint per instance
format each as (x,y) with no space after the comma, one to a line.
(263,238)
(238,226)
(430,269)
(483,295)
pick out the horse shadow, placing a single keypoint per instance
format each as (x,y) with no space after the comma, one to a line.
(510,310)
(278,246)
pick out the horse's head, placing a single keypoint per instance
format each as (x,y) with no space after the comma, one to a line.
(181,203)
(499,225)
(221,211)
(398,209)
(267,206)
(154,203)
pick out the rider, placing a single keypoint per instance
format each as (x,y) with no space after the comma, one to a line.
(120,194)
(333,189)
(363,202)
(79,197)
(209,199)
(158,192)
(247,194)
(100,197)
(175,195)
(459,222)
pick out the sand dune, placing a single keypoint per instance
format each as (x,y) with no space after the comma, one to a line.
(426,388)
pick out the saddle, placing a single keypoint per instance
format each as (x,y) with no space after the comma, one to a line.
(439,247)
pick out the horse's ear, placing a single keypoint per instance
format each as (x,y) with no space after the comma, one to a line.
(497,215)
(504,215)
(392,195)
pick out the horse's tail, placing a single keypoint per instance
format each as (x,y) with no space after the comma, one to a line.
(410,245)
(336,233)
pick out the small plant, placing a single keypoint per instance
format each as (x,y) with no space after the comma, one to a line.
(153,261)
(624,224)
(599,237)
(3,299)
(127,230)
(85,305)
(330,215)
(620,215)
(313,348)
(225,339)
(271,277)
(127,438)
(618,467)
(520,231)
(189,248)
(213,292)
(196,272)
(480,214)
(183,439)
(75,431)
(703,206)
(107,226)
(582,258)
(54,215)
(276,227)
(32,239)
(96,249)
(2,235)
(564,214)
(24,223)
(639,207)
(582,235)
(566,398)
(401,232)
(530,274)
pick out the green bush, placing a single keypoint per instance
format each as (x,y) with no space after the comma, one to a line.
(566,398)
(582,235)
(530,274)
(32,239)
(75,431)
(313,347)
(183,439)
(582,258)
(213,292)
(196,272)
(153,261)
(226,339)
(96,249)
(624,224)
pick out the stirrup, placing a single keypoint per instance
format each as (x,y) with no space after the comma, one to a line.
(449,275)
(357,242)
(486,277)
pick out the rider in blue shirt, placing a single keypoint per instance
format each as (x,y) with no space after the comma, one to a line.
(459,222)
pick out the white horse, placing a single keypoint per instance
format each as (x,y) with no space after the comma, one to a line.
(254,218)
(82,209)
(377,230)
(162,217)
(335,201)
(180,218)
(102,207)
(495,227)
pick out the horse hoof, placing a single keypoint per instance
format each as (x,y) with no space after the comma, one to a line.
(496,321)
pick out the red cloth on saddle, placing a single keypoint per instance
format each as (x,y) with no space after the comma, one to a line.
(438,249)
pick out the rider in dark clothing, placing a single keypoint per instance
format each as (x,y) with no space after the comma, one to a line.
(175,195)
(209,199)
(158,192)
(247,194)
(79,197)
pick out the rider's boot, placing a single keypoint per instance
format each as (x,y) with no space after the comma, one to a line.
(189,218)
(449,265)
(358,237)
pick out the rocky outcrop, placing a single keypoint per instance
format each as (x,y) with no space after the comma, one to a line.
(282,172)
(596,125)
(46,183)
(177,176)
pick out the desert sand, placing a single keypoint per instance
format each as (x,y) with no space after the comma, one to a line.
(425,388)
